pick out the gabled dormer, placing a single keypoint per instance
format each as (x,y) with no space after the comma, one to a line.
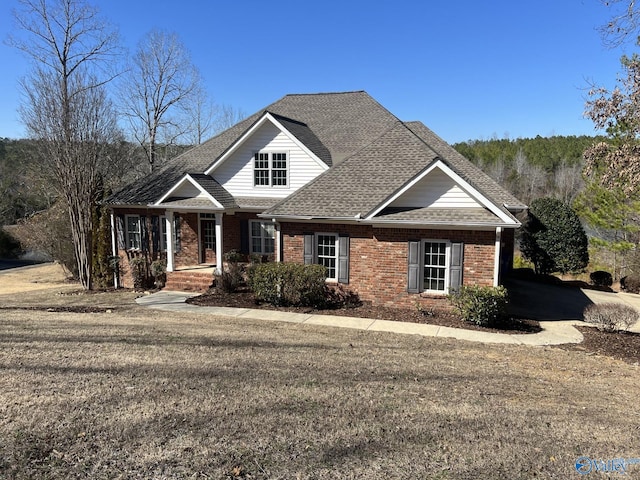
(273,158)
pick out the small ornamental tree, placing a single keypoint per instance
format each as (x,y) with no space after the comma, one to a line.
(553,238)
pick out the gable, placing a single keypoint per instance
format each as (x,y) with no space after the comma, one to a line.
(187,189)
(435,190)
(236,172)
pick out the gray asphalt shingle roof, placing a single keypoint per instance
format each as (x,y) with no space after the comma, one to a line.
(443,216)
(372,155)
(363,181)
(213,188)
(341,123)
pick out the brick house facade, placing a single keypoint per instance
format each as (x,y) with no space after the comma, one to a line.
(390,209)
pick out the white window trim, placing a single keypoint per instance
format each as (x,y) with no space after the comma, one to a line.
(447,265)
(270,154)
(337,256)
(127,238)
(163,233)
(262,237)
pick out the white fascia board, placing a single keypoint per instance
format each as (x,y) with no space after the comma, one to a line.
(267,117)
(189,179)
(484,201)
(437,225)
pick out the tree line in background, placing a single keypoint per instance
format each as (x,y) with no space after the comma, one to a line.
(533,167)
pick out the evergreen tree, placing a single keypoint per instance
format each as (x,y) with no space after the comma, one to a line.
(553,238)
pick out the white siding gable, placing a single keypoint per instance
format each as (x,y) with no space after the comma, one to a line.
(187,190)
(236,172)
(437,190)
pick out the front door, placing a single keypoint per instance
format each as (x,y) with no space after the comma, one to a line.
(207,241)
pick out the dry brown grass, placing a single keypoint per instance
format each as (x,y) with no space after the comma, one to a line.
(138,393)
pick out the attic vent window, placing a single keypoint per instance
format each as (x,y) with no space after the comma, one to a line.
(270,169)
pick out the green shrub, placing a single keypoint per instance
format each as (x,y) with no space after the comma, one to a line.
(484,306)
(288,284)
(600,278)
(9,246)
(611,317)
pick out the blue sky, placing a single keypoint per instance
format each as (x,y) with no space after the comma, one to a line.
(467,69)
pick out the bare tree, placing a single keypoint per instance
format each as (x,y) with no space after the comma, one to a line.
(158,92)
(65,106)
(226,116)
(568,181)
(531,179)
(201,113)
(623,24)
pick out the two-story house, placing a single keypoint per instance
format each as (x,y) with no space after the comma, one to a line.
(390,209)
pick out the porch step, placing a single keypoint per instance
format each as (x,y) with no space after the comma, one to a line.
(188,281)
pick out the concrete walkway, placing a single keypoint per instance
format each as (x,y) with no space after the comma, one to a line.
(554,332)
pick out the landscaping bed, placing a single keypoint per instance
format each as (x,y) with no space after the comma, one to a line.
(620,345)
(245,299)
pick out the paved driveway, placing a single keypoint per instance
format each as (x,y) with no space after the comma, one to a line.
(546,302)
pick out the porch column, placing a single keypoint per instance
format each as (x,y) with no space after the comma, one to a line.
(496,260)
(114,246)
(278,242)
(168,227)
(218,243)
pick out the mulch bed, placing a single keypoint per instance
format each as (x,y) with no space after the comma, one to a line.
(245,299)
(621,345)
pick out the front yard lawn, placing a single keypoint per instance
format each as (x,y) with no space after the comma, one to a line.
(120,391)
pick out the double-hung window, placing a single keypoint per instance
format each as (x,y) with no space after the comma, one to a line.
(327,253)
(263,236)
(331,250)
(133,232)
(435,276)
(434,266)
(270,169)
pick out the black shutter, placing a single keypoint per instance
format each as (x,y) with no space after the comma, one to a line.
(308,248)
(155,234)
(413,269)
(455,267)
(244,236)
(144,234)
(343,259)
(120,232)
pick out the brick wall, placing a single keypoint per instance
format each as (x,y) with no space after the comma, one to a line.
(189,254)
(126,280)
(379,256)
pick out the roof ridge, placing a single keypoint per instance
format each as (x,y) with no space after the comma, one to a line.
(346,92)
